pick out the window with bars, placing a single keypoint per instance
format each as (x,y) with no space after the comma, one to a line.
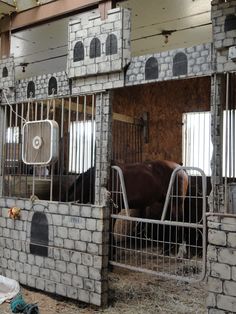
(197,146)
(82,146)
(76,119)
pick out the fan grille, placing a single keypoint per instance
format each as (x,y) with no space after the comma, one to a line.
(40,142)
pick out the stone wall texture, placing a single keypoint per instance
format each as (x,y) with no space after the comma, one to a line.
(221,259)
(104,51)
(7,78)
(7,73)
(76,263)
(41,83)
(224,33)
(198,63)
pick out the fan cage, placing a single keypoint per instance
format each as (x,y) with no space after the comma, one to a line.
(40,142)
(68,176)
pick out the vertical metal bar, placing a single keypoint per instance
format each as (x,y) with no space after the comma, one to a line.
(4,150)
(84,148)
(53,108)
(92,178)
(226,139)
(15,143)
(61,169)
(48,108)
(36,111)
(233,123)
(9,129)
(41,116)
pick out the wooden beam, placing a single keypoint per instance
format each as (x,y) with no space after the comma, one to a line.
(104,7)
(46,12)
(5,44)
(73,107)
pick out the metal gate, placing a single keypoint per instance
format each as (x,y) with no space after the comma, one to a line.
(127,139)
(72,173)
(174,246)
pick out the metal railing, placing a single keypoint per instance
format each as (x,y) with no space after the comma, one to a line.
(174,246)
(71,176)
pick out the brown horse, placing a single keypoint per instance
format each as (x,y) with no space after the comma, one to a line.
(146,187)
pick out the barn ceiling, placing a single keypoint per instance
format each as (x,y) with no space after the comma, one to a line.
(10,6)
(184,22)
(6,7)
(187,21)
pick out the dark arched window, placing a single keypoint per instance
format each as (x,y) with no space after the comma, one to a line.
(78,51)
(95,48)
(111,45)
(5,72)
(151,69)
(52,86)
(180,64)
(39,235)
(230,22)
(31,90)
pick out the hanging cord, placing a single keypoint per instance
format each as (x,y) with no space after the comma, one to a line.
(18,305)
(7,101)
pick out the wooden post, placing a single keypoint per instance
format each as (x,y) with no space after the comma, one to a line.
(104,7)
(5,44)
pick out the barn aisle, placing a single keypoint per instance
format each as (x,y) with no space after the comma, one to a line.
(130,292)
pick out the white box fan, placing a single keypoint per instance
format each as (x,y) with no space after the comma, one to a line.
(40,142)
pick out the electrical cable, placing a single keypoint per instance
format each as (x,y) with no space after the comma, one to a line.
(8,103)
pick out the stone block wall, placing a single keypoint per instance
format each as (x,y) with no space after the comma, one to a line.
(7,73)
(197,63)
(103,145)
(7,78)
(224,33)
(221,258)
(76,262)
(41,83)
(103,51)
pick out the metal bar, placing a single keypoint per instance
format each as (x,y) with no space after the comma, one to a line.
(173,176)
(123,188)
(161,274)
(158,222)
(226,140)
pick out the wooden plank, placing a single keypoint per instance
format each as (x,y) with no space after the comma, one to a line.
(73,107)
(5,45)
(46,12)
(104,7)
(123,118)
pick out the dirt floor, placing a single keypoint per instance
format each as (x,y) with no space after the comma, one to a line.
(130,292)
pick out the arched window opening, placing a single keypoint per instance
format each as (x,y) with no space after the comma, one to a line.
(52,86)
(95,48)
(5,72)
(31,90)
(39,235)
(78,52)
(111,45)
(230,22)
(151,69)
(180,64)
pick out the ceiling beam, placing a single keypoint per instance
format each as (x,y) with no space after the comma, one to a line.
(44,13)
(104,6)
(5,45)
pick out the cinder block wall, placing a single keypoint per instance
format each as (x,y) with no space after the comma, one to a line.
(76,265)
(9,80)
(41,86)
(198,63)
(223,16)
(221,258)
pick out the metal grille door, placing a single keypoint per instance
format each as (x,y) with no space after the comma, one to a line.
(127,139)
(173,246)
